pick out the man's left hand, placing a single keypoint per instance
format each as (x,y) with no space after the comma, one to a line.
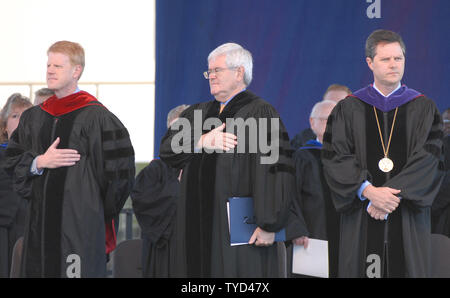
(376,213)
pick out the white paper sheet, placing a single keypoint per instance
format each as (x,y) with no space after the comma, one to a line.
(312,261)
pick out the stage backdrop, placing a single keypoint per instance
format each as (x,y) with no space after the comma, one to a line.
(299,48)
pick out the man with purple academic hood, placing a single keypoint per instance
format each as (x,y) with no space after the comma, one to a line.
(381,156)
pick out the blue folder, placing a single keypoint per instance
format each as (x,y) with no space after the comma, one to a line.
(243,221)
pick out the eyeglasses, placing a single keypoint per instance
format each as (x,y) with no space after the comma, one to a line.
(216,70)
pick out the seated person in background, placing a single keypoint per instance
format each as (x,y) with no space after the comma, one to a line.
(334,92)
(13,208)
(313,194)
(42,95)
(155,192)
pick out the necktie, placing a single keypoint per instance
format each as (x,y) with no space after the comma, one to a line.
(222,106)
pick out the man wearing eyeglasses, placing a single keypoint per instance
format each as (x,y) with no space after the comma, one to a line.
(214,170)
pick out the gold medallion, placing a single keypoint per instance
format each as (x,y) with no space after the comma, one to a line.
(386,165)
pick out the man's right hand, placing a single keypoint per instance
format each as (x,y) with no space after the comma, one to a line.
(384,198)
(55,158)
(217,139)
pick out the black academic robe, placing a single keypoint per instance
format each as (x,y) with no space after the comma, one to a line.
(201,230)
(352,149)
(154,199)
(12,219)
(440,210)
(314,200)
(71,208)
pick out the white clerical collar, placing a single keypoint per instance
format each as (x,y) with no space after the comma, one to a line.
(398,87)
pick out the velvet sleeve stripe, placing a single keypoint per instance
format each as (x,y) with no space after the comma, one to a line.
(115,134)
(281,168)
(118,153)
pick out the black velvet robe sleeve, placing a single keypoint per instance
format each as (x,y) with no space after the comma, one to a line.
(113,155)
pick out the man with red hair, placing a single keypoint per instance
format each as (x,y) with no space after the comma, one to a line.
(73,160)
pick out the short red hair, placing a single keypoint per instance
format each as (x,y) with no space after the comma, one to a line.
(73,50)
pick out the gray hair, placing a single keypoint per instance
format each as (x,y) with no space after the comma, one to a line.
(236,56)
(175,113)
(320,105)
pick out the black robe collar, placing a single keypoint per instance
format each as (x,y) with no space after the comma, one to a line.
(234,105)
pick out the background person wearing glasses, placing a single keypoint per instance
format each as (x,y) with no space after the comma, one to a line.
(334,92)
(209,179)
(313,193)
